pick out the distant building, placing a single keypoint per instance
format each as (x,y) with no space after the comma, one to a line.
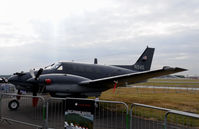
(193,77)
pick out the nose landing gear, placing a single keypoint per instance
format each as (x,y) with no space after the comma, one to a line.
(13,105)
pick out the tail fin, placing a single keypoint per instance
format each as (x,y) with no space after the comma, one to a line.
(145,60)
(143,63)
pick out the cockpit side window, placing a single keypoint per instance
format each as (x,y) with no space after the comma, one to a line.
(60,68)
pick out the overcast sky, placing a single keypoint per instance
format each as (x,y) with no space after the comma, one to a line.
(36,33)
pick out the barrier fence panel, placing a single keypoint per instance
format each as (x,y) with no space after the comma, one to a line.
(55,113)
(26,113)
(151,117)
(111,115)
(107,114)
(181,120)
(146,117)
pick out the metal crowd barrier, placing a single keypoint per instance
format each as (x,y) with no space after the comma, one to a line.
(150,117)
(107,114)
(55,113)
(26,114)
(111,115)
(50,113)
(183,120)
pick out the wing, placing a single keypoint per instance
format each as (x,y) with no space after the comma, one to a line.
(130,78)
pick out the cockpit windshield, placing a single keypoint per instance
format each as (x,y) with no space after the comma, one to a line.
(53,66)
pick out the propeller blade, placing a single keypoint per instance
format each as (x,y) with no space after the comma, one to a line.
(32,73)
(3,80)
(34,93)
(18,96)
(34,99)
(38,73)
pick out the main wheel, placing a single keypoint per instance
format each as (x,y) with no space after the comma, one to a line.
(13,105)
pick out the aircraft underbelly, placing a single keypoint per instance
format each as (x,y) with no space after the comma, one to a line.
(70,88)
(23,86)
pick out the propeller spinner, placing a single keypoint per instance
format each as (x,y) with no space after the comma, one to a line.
(32,73)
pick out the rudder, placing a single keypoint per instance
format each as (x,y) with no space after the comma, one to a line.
(145,60)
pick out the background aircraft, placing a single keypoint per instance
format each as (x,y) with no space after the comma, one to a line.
(71,79)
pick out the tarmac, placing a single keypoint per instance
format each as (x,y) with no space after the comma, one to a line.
(13,125)
(23,117)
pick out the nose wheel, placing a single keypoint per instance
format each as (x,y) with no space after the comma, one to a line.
(13,105)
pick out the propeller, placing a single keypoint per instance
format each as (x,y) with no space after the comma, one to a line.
(3,80)
(36,85)
(38,73)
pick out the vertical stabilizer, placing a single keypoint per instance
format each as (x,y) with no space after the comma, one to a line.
(143,63)
(145,60)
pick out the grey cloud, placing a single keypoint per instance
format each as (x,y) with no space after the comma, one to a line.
(113,34)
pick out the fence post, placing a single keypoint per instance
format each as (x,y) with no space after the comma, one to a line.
(165,119)
(127,120)
(45,114)
(131,111)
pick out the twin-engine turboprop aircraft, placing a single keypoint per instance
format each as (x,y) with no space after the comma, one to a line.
(69,79)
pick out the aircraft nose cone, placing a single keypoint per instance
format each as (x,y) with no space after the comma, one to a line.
(12,79)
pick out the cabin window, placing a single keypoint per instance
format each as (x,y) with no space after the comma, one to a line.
(60,68)
(53,66)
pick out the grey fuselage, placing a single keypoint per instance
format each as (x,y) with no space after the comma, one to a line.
(75,72)
(68,78)
(92,71)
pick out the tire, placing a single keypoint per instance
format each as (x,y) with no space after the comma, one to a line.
(13,105)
